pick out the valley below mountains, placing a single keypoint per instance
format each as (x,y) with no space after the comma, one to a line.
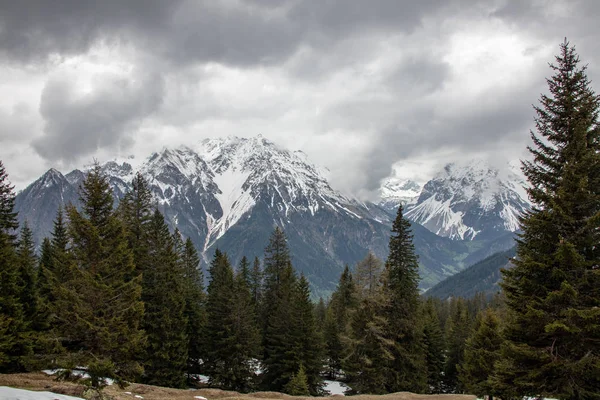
(230,193)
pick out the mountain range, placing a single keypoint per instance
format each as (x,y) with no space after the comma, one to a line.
(229,193)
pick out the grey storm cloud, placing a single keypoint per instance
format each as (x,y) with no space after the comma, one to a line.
(382,63)
(78,125)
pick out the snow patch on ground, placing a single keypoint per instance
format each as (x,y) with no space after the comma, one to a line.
(335,387)
(8,393)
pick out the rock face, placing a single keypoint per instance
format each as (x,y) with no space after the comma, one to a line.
(230,193)
(472,200)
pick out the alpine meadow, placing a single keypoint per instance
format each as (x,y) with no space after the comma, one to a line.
(435,250)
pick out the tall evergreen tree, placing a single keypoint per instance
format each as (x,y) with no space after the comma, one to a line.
(553,291)
(434,345)
(137,213)
(195,305)
(164,295)
(256,283)
(482,351)
(99,308)
(458,329)
(369,349)
(337,321)
(14,339)
(408,371)
(309,342)
(28,273)
(232,334)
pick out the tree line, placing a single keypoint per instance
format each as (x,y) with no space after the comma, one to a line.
(115,291)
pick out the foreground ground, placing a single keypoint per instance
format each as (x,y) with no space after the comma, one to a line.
(43,382)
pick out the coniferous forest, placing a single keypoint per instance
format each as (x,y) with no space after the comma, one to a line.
(115,291)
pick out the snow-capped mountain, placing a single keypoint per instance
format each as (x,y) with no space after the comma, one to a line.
(395,191)
(230,193)
(472,200)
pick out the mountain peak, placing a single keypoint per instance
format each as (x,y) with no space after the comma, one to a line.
(471,198)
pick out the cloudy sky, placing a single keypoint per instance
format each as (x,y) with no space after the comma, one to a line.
(363,87)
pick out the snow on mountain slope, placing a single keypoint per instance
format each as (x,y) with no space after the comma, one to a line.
(472,199)
(396,191)
(246,171)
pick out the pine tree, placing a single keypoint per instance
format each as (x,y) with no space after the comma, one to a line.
(482,351)
(309,342)
(337,321)
(281,357)
(434,345)
(458,329)
(244,270)
(369,349)
(408,371)
(99,309)
(164,295)
(256,284)
(298,385)
(15,343)
(553,291)
(195,305)
(8,217)
(137,212)
(320,312)
(27,273)
(232,335)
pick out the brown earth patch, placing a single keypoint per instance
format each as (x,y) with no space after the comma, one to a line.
(41,382)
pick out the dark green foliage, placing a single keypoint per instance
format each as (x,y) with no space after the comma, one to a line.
(15,342)
(408,370)
(136,211)
(290,338)
(28,273)
(434,346)
(320,314)
(232,335)
(482,277)
(308,340)
(195,305)
(298,385)
(8,217)
(256,283)
(337,321)
(553,291)
(164,296)
(370,351)
(458,329)
(482,351)
(98,308)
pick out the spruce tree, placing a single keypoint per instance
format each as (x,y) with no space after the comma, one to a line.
(482,351)
(408,371)
(195,305)
(553,290)
(164,322)
(337,321)
(232,335)
(137,212)
(434,346)
(15,342)
(28,273)
(458,329)
(256,284)
(298,385)
(309,342)
(99,309)
(369,349)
